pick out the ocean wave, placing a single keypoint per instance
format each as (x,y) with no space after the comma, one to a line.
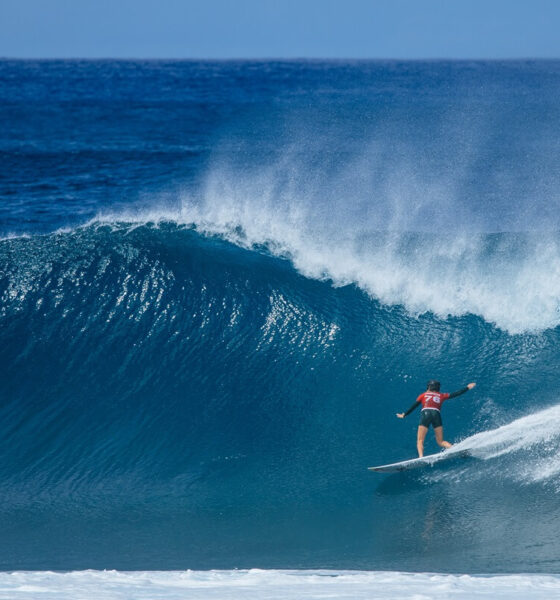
(156,375)
(511,280)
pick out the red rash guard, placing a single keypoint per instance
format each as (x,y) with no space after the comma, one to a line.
(432,399)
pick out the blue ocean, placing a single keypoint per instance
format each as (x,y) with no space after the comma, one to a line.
(219,283)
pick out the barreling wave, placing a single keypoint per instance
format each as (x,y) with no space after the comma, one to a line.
(511,280)
(158,374)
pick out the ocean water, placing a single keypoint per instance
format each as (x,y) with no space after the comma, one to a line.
(219,282)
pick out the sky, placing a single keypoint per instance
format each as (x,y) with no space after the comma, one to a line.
(224,29)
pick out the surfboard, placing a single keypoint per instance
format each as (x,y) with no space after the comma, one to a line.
(416,463)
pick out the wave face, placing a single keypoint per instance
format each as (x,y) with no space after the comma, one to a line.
(173,399)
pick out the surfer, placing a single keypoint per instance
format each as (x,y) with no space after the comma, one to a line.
(431,401)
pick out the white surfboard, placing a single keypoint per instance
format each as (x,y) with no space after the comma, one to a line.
(415,463)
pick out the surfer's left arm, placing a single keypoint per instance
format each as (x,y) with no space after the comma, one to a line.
(461,391)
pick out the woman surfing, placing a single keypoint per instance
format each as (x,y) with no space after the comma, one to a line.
(431,401)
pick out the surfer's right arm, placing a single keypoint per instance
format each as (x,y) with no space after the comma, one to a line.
(413,407)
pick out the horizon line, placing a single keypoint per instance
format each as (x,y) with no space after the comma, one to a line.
(283,58)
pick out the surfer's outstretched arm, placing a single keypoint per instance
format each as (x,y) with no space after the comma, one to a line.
(413,407)
(461,391)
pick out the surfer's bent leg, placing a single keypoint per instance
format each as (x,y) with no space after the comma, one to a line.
(439,438)
(422,431)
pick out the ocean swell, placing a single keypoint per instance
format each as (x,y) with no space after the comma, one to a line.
(185,392)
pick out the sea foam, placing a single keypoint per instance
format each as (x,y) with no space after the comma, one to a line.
(511,280)
(272,585)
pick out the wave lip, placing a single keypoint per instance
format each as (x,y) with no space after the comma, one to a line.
(511,280)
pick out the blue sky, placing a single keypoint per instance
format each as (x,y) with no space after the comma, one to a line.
(280,28)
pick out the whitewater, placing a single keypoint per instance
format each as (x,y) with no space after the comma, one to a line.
(219,283)
(510,279)
(272,585)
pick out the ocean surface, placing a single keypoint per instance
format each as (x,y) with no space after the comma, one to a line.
(219,281)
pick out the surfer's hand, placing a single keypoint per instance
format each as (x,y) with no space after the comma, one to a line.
(400,415)
(471,385)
